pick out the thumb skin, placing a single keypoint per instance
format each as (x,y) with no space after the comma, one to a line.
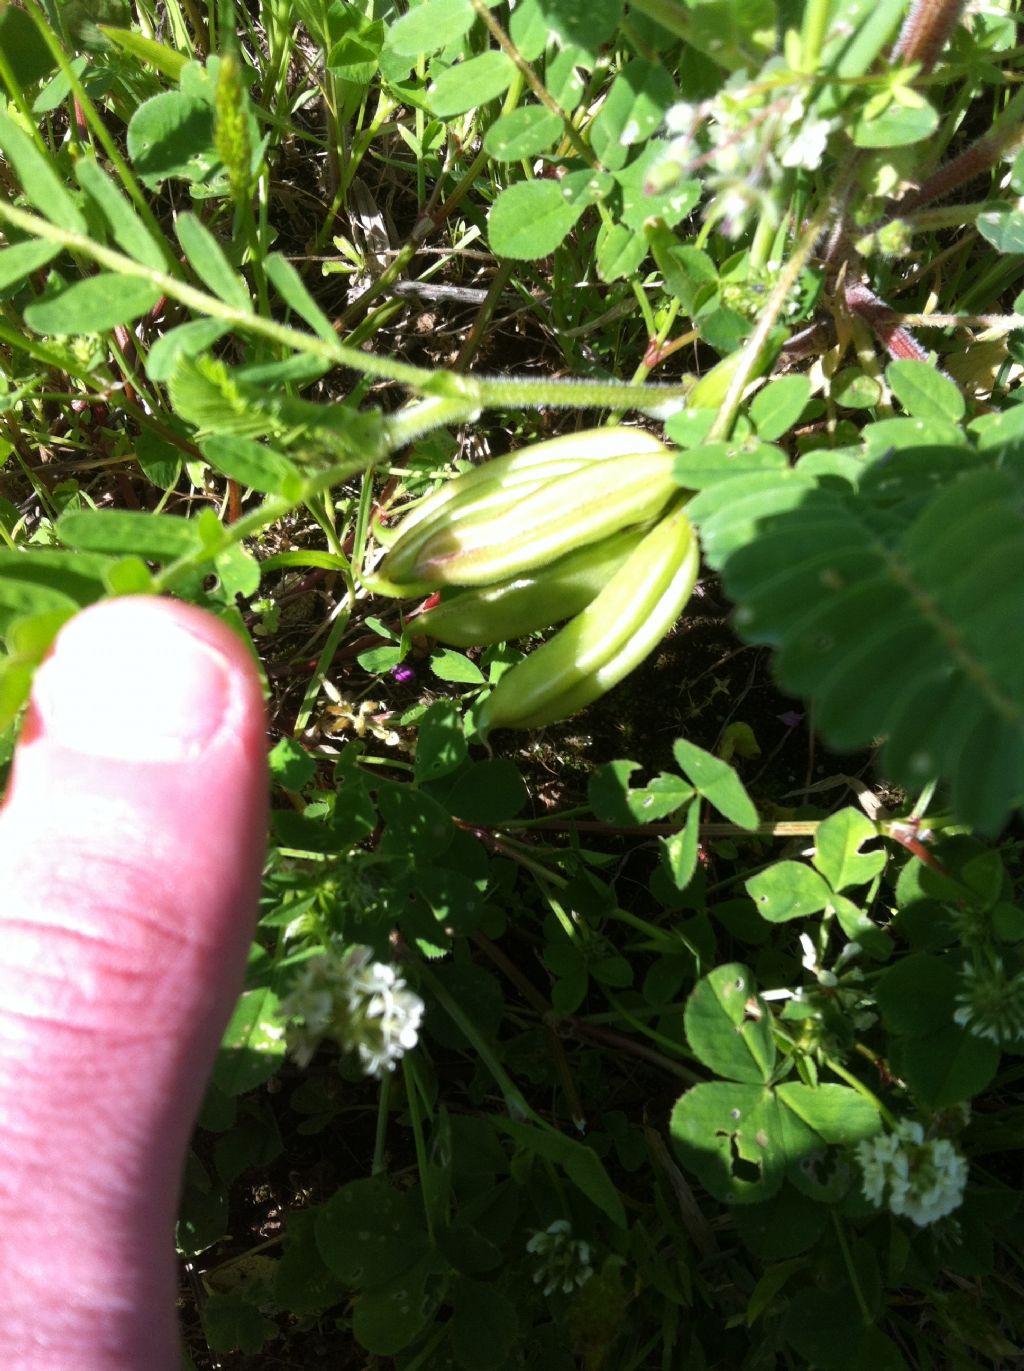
(131,848)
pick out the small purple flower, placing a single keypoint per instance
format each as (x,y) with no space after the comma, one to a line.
(403,673)
(791,718)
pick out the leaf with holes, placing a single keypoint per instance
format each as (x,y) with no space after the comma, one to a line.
(738,1139)
(729,1027)
(837,849)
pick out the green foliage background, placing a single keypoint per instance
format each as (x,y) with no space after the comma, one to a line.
(665,1003)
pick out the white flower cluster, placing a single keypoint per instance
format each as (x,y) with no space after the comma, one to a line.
(365,1006)
(563,1261)
(925,1178)
(990,1003)
(749,140)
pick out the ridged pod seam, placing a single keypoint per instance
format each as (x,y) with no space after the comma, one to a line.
(478,616)
(573,509)
(608,639)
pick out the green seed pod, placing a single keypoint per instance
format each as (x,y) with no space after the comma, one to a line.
(608,639)
(535,464)
(524,604)
(524,531)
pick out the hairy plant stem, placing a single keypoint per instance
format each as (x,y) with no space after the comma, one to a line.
(483,392)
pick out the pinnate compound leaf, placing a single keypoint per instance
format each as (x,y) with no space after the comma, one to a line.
(130,233)
(837,853)
(895,607)
(43,188)
(530,219)
(93,305)
(717,782)
(728,1027)
(292,290)
(207,259)
(22,259)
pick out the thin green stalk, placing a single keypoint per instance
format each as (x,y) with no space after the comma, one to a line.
(515,1102)
(527,74)
(851,1270)
(774,306)
(209,305)
(494,392)
(312,690)
(816,16)
(98,127)
(839,1070)
(416,1098)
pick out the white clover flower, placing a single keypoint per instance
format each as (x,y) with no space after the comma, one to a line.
(990,1003)
(563,1261)
(925,1178)
(807,146)
(365,1006)
(681,118)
